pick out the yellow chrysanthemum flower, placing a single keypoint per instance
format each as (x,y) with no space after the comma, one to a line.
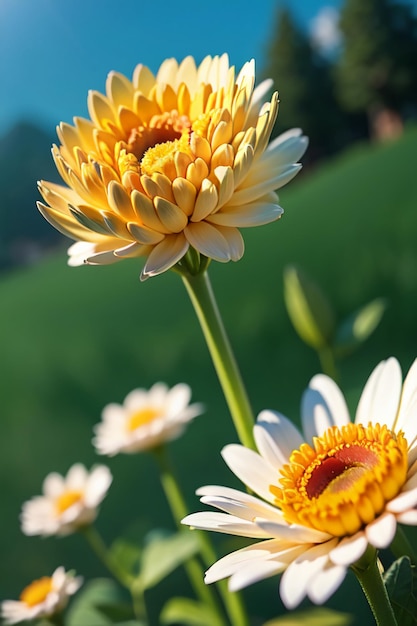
(169,162)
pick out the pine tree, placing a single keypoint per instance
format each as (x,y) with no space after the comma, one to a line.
(376,72)
(303,80)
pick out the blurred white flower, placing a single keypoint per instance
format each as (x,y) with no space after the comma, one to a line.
(145,419)
(325,496)
(42,598)
(67,503)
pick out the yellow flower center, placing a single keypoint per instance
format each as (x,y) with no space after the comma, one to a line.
(67,499)
(36,592)
(345,481)
(140,418)
(161,158)
(161,129)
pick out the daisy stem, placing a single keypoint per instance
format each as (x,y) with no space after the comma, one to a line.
(100,549)
(232,601)
(202,297)
(370,579)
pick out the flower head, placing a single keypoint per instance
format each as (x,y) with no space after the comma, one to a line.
(67,503)
(169,162)
(42,598)
(145,420)
(324,496)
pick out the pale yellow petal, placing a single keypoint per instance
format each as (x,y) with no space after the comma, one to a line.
(170,215)
(165,255)
(208,240)
(143,79)
(145,210)
(206,201)
(144,235)
(119,90)
(184,194)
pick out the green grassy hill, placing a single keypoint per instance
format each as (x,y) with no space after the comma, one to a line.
(73,340)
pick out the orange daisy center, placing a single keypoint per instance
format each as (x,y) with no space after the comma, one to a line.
(37,591)
(345,480)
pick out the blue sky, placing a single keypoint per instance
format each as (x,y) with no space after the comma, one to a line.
(53,51)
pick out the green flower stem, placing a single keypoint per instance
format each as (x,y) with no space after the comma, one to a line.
(401,546)
(328,362)
(370,579)
(232,601)
(202,296)
(99,548)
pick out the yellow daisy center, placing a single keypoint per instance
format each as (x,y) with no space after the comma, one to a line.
(141,417)
(37,591)
(345,480)
(67,499)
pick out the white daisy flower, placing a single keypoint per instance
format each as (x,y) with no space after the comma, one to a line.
(42,598)
(67,503)
(324,496)
(145,419)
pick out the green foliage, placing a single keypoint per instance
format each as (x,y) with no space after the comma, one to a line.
(401,583)
(358,326)
(188,613)
(100,603)
(309,309)
(377,67)
(163,554)
(317,616)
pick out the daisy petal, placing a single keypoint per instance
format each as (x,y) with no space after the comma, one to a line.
(325,583)
(296,579)
(349,550)
(380,398)
(381,531)
(322,406)
(251,469)
(276,437)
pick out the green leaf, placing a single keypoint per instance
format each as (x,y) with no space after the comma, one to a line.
(358,326)
(188,613)
(308,308)
(126,552)
(319,616)
(401,583)
(87,607)
(164,554)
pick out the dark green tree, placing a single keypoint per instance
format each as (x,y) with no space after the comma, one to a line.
(376,73)
(303,80)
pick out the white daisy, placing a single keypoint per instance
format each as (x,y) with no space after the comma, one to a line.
(145,420)
(324,496)
(67,503)
(42,598)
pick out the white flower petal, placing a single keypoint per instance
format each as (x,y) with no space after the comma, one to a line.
(276,437)
(258,570)
(224,523)
(407,499)
(296,579)
(251,469)
(325,583)
(243,505)
(349,549)
(380,398)
(293,532)
(322,406)
(381,531)
(408,398)
(408,517)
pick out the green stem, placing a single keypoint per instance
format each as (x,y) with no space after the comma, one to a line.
(370,579)
(328,362)
(401,546)
(204,302)
(100,549)
(232,601)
